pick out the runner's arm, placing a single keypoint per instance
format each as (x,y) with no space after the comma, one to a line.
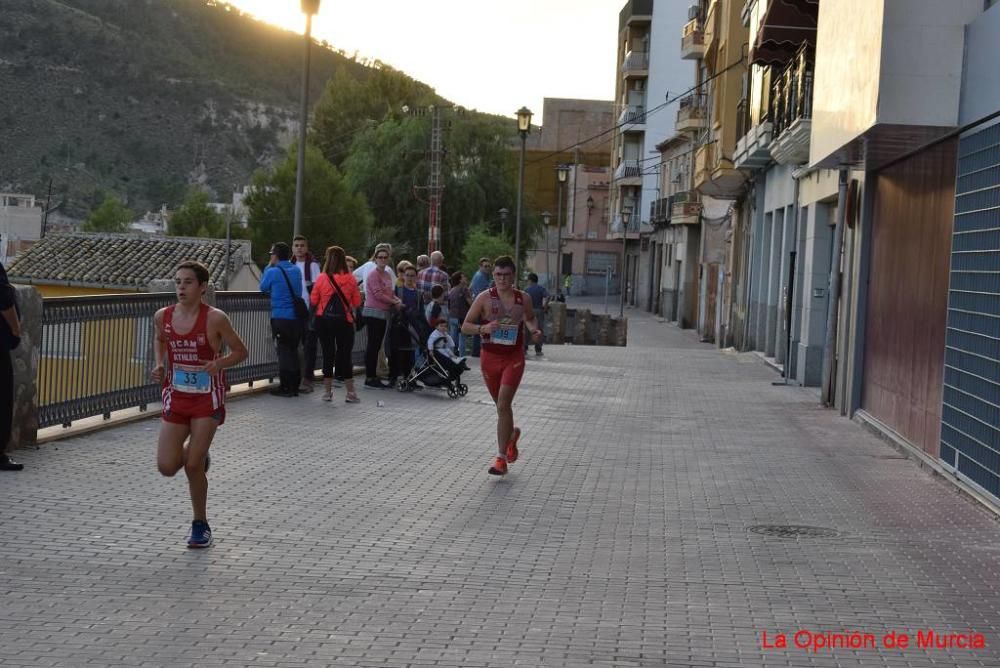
(475,314)
(159,348)
(530,321)
(219,323)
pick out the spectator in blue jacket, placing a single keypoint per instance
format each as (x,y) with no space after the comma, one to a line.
(279,280)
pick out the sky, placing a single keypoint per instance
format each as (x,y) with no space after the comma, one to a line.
(490,55)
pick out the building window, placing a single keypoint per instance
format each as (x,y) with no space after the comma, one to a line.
(599,262)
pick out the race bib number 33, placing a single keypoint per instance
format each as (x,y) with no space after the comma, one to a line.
(191,379)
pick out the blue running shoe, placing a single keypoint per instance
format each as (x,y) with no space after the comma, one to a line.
(201,535)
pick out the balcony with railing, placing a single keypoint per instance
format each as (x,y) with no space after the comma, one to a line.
(659,211)
(693,40)
(685,208)
(635,64)
(628,173)
(632,118)
(791,109)
(692,114)
(753,147)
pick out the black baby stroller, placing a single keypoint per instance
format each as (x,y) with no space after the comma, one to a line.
(434,371)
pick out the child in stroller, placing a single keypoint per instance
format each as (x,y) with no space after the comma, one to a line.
(441,367)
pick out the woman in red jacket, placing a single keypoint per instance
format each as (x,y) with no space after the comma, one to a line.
(334,297)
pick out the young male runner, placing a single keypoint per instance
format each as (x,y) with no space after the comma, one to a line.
(189,336)
(503,311)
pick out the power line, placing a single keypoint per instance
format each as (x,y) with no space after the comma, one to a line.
(646,115)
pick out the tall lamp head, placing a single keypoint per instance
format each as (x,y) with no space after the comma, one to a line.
(524,120)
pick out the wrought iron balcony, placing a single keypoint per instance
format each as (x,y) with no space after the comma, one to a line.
(636,63)
(693,40)
(659,211)
(752,147)
(632,117)
(692,113)
(791,109)
(628,169)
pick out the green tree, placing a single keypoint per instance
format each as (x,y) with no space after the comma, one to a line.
(389,161)
(481,242)
(331,213)
(111,216)
(348,106)
(196,218)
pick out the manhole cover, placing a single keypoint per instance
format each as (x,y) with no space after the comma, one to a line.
(793,531)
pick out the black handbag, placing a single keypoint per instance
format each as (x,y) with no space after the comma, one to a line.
(298,303)
(331,311)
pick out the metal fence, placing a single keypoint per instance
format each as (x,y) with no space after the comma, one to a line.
(96,352)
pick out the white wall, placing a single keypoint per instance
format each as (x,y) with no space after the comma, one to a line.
(892,62)
(981,79)
(668,75)
(848,61)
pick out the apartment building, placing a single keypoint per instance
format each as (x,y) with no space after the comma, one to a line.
(575,244)
(649,83)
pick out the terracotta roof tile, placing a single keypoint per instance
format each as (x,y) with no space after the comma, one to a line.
(120,260)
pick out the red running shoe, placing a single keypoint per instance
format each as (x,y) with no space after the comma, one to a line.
(512,445)
(499,467)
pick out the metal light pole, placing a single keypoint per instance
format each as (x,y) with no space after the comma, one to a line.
(309,8)
(503,221)
(523,127)
(546,219)
(562,174)
(626,215)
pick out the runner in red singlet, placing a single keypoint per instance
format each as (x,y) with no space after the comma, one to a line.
(189,336)
(503,311)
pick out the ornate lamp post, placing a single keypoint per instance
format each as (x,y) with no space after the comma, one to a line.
(546,220)
(523,127)
(626,216)
(309,8)
(503,221)
(562,175)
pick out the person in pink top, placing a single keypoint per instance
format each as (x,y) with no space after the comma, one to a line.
(380,301)
(334,297)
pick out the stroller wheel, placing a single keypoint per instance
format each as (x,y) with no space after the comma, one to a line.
(463,389)
(402,385)
(452,392)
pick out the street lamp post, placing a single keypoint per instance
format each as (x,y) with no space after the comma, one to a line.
(503,221)
(309,8)
(626,215)
(546,219)
(523,127)
(562,174)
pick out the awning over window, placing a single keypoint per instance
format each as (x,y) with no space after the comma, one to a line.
(785,26)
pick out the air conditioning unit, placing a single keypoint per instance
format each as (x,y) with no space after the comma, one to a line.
(640,84)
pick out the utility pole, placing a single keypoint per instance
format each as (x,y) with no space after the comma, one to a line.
(435,179)
(434,187)
(309,8)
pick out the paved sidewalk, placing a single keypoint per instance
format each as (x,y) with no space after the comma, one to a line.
(372,536)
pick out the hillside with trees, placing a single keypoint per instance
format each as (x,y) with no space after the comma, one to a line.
(142,99)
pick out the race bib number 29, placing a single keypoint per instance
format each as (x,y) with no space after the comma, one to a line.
(191,379)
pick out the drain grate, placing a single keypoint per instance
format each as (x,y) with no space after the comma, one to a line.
(793,531)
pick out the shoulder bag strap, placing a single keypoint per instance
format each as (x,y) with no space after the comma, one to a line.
(288,283)
(343,299)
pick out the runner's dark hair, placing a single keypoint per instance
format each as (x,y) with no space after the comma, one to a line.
(200,270)
(504,261)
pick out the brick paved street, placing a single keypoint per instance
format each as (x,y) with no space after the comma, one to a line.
(368,536)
